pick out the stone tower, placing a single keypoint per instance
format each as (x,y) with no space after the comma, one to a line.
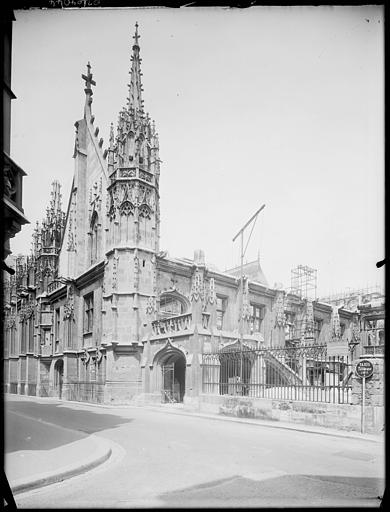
(133,219)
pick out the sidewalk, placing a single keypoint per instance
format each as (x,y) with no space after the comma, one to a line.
(30,469)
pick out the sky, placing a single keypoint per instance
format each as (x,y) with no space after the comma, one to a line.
(282,106)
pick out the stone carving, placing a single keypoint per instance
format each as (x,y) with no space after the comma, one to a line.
(308,322)
(71,242)
(246,307)
(197,288)
(85,357)
(69,304)
(136,271)
(114,272)
(335,323)
(145,176)
(280,317)
(212,297)
(127,172)
(151,306)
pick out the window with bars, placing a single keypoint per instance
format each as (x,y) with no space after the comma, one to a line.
(317,328)
(31,334)
(23,338)
(221,310)
(88,313)
(57,320)
(257,316)
(94,244)
(13,348)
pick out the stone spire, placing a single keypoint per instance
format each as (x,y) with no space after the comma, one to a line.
(135,86)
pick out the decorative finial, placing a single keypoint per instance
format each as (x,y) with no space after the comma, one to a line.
(136,36)
(88,80)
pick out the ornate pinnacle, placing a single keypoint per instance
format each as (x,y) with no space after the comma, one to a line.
(135,86)
(111,135)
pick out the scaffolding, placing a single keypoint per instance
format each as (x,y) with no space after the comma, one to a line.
(369,292)
(304,282)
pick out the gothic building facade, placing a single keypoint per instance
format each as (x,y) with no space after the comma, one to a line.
(99,313)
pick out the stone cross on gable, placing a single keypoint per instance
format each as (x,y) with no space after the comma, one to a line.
(88,79)
(136,36)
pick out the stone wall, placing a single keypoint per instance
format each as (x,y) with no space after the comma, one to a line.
(337,416)
(375,385)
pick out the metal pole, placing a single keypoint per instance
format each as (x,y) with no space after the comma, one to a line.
(241,303)
(363,402)
(241,232)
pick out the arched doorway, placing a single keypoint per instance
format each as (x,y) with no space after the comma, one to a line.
(58,377)
(173,378)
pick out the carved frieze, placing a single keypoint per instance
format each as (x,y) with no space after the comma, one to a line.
(127,172)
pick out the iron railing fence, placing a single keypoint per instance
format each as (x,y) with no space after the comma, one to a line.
(298,373)
(90,391)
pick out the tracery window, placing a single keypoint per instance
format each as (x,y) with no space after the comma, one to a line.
(170,306)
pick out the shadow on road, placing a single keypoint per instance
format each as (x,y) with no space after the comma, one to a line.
(282,491)
(26,430)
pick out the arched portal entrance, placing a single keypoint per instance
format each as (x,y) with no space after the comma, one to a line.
(58,377)
(173,378)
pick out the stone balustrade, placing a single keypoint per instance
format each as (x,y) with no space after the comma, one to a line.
(53,286)
(173,324)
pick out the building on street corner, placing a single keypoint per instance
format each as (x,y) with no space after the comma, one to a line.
(99,313)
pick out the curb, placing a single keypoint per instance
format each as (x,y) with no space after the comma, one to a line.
(278,425)
(27,484)
(374,438)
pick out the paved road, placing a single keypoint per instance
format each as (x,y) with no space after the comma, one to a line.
(169,460)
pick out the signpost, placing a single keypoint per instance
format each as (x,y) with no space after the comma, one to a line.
(364,369)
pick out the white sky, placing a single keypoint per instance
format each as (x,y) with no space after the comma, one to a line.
(275,105)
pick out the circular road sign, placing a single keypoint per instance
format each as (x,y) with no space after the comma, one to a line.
(364,369)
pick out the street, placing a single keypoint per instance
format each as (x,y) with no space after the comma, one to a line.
(161,459)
